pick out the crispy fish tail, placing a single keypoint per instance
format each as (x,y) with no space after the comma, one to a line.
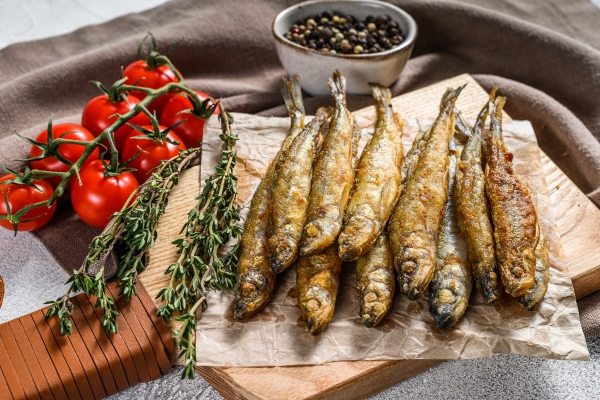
(375,281)
(513,213)
(317,278)
(416,219)
(292,96)
(451,283)
(334,175)
(290,193)
(255,280)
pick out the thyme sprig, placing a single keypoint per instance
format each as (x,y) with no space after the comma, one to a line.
(211,224)
(135,226)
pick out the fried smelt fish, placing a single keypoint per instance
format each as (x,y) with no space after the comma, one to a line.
(318,280)
(255,280)
(416,219)
(290,193)
(375,281)
(377,185)
(474,215)
(333,176)
(452,282)
(534,295)
(513,212)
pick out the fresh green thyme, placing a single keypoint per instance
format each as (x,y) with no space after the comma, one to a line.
(135,226)
(200,266)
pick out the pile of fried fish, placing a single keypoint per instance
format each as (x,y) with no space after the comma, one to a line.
(435,219)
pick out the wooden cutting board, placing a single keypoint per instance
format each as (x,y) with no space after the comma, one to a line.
(578,222)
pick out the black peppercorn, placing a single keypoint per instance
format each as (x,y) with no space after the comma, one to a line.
(326,34)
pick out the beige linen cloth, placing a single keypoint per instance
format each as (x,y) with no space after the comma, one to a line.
(542,53)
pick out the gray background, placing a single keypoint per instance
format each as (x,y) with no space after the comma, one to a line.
(32,276)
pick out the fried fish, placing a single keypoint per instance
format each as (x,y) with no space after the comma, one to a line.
(513,213)
(415,222)
(255,280)
(290,193)
(378,180)
(333,176)
(474,214)
(451,284)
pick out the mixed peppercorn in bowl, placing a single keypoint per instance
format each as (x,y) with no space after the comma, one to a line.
(367,40)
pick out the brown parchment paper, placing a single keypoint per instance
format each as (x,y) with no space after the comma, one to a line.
(276,336)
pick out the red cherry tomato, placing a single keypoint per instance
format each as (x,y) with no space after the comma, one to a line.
(20,196)
(99,114)
(192,130)
(70,152)
(150,78)
(152,152)
(100,196)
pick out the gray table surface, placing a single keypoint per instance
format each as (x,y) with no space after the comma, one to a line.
(23,259)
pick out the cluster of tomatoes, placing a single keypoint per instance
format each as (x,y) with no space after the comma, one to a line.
(141,145)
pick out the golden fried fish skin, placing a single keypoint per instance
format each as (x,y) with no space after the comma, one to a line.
(318,280)
(375,281)
(377,184)
(451,284)
(333,176)
(474,215)
(255,280)
(535,294)
(290,193)
(513,213)
(416,219)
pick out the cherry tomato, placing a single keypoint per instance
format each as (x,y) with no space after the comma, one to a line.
(150,78)
(152,152)
(192,130)
(70,152)
(20,196)
(100,196)
(99,114)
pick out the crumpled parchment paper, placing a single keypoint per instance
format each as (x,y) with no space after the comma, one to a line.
(276,336)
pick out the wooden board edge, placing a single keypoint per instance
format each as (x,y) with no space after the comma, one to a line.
(371,382)
(223,383)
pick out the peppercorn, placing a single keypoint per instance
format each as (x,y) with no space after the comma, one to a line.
(327,14)
(326,34)
(339,36)
(371,27)
(335,19)
(358,49)
(346,47)
(380,20)
(311,22)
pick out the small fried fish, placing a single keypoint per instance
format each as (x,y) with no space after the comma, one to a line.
(318,280)
(378,181)
(474,214)
(416,219)
(290,193)
(513,213)
(255,280)
(451,284)
(333,176)
(375,281)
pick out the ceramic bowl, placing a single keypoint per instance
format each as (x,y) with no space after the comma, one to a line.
(315,68)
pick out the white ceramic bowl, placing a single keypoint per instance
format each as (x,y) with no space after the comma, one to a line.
(315,67)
